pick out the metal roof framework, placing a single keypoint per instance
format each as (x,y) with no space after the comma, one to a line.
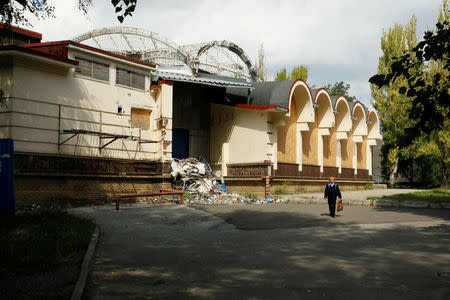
(218,57)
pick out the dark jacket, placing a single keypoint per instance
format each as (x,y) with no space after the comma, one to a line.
(332,192)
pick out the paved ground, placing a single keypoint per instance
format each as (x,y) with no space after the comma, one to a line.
(358,195)
(270,252)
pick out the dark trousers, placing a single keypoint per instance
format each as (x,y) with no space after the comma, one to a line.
(332,206)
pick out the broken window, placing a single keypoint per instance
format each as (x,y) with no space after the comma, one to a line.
(130,78)
(140,118)
(92,69)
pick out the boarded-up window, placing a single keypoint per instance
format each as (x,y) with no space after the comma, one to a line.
(140,118)
(130,78)
(93,69)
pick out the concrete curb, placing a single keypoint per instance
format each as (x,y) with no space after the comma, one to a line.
(81,282)
(377,203)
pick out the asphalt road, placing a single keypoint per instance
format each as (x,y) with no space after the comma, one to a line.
(269,252)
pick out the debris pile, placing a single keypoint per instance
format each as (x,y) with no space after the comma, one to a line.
(201,186)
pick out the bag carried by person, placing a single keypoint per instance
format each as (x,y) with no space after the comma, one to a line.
(340,205)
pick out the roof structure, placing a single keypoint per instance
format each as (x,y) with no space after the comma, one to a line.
(271,92)
(60,49)
(206,79)
(216,57)
(32,35)
(26,51)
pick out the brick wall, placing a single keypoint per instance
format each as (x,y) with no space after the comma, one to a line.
(64,190)
(257,187)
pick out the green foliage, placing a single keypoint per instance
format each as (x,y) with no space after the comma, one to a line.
(368,186)
(250,195)
(41,240)
(427,91)
(15,11)
(188,196)
(281,75)
(372,198)
(283,189)
(429,171)
(260,63)
(430,196)
(340,88)
(298,72)
(390,104)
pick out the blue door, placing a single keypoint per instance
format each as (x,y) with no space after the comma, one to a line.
(6,176)
(180,143)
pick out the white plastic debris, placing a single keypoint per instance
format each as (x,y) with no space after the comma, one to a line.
(199,182)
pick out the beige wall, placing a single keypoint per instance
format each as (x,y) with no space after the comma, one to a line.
(45,97)
(329,149)
(347,151)
(310,143)
(287,138)
(362,154)
(244,132)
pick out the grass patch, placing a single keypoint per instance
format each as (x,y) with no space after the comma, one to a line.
(188,196)
(372,198)
(37,242)
(282,190)
(250,195)
(431,196)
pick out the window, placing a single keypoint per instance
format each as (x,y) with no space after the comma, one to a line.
(130,78)
(92,69)
(140,118)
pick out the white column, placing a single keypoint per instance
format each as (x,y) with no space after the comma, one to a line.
(275,148)
(338,156)
(224,159)
(299,149)
(320,151)
(369,159)
(355,158)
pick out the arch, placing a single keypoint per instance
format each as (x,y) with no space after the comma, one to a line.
(176,51)
(359,119)
(234,49)
(373,125)
(343,118)
(150,47)
(301,94)
(325,116)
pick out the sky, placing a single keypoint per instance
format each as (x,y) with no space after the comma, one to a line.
(338,39)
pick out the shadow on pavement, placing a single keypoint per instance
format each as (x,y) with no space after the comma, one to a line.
(187,254)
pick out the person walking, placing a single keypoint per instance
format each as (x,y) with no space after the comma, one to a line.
(331,193)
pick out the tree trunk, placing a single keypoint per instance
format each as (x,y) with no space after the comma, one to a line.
(444,170)
(393,175)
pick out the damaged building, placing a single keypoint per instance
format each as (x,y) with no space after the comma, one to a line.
(106,112)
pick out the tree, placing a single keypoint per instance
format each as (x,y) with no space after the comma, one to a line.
(14,11)
(340,88)
(429,91)
(260,63)
(390,104)
(298,72)
(281,75)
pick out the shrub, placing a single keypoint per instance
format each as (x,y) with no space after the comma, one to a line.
(429,171)
(251,195)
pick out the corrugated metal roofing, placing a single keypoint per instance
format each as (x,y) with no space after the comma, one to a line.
(202,80)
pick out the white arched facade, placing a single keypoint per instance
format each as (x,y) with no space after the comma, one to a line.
(343,125)
(300,96)
(325,121)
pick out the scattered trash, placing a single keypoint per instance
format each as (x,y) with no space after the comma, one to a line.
(201,186)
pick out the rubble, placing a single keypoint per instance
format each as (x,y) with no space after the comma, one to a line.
(201,186)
